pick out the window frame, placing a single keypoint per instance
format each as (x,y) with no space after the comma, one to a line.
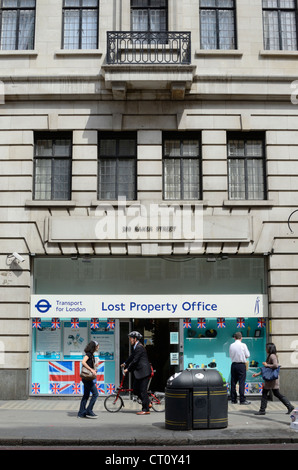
(182,136)
(81,8)
(18,10)
(54,136)
(148,8)
(129,135)
(217,8)
(247,137)
(279,10)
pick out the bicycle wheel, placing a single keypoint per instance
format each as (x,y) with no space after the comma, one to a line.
(158,401)
(113,403)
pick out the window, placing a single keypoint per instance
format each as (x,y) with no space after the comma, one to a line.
(80,24)
(280,24)
(52,166)
(117,166)
(218,24)
(149,15)
(17,24)
(246,167)
(181,166)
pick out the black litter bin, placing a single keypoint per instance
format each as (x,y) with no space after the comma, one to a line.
(196,399)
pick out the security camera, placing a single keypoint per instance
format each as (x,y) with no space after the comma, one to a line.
(18,257)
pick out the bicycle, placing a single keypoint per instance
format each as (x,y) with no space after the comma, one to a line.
(115,402)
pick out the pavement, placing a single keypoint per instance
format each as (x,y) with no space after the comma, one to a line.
(53,422)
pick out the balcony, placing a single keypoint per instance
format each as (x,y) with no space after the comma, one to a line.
(148,60)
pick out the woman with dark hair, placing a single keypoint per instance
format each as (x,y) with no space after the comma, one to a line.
(89,385)
(272,362)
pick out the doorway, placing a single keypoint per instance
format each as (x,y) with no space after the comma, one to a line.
(161,339)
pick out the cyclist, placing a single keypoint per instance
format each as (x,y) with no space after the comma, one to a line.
(138,363)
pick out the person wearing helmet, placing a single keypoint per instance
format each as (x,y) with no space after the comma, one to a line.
(139,364)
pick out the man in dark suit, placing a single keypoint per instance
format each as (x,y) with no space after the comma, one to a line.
(139,364)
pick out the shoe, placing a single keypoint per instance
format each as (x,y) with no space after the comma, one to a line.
(290,409)
(81,416)
(143,413)
(91,416)
(245,402)
(258,413)
(234,402)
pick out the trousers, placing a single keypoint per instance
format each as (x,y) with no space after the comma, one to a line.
(140,387)
(277,394)
(89,387)
(238,374)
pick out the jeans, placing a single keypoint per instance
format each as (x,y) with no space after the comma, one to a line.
(89,387)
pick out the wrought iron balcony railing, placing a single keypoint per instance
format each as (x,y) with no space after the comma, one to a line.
(142,47)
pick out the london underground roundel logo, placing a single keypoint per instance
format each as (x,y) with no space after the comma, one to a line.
(43,306)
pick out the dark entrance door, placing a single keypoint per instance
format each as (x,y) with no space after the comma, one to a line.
(161,339)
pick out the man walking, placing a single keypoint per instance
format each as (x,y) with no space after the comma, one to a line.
(239,354)
(139,364)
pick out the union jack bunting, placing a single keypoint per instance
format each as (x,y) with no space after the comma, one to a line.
(100,387)
(36,323)
(201,322)
(111,324)
(35,389)
(76,389)
(240,322)
(221,323)
(110,389)
(261,322)
(55,323)
(94,324)
(55,388)
(74,323)
(186,323)
(261,386)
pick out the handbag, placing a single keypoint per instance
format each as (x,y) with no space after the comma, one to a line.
(270,374)
(86,374)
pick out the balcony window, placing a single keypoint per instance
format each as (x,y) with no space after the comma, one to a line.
(80,24)
(117,166)
(218,24)
(149,15)
(181,167)
(17,23)
(280,24)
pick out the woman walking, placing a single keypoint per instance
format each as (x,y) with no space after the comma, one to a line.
(272,363)
(89,385)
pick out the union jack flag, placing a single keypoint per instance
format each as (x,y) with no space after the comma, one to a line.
(94,324)
(100,387)
(35,389)
(64,376)
(246,388)
(261,386)
(36,323)
(56,323)
(201,322)
(74,323)
(111,324)
(221,323)
(110,389)
(76,389)
(261,322)
(240,322)
(186,322)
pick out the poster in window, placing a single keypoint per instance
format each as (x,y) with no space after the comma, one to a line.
(48,342)
(75,339)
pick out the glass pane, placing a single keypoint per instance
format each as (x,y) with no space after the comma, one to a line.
(126,179)
(270,3)
(255,179)
(226,30)
(271,30)
(107,179)
(71,38)
(107,147)
(26,30)
(208,29)
(62,148)
(44,148)
(288,31)
(89,29)
(9,30)
(236,148)
(139,20)
(190,148)
(42,180)
(190,178)
(127,147)
(172,148)
(254,148)
(172,179)
(61,179)
(236,179)
(27,3)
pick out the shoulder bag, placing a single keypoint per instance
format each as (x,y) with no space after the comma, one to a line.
(270,374)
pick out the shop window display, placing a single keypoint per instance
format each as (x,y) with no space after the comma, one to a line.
(207,342)
(58,349)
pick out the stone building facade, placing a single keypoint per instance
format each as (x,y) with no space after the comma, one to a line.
(83,76)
